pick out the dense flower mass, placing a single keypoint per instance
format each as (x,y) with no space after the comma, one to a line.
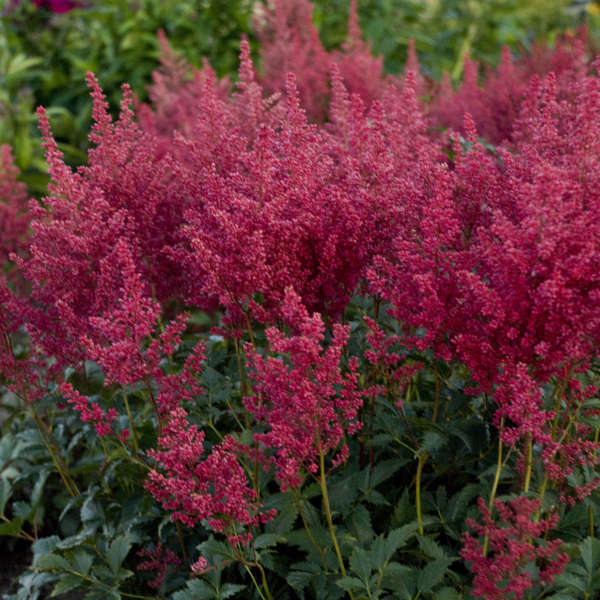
(514,544)
(362,272)
(193,487)
(306,405)
(495,102)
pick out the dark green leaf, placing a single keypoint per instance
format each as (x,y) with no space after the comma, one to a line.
(117,551)
(432,574)
(65,584)
(267,540)
(299,579)
(360,563)
(350,584)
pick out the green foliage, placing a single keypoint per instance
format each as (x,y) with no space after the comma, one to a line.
(44,58)
(445,30)
(79,500)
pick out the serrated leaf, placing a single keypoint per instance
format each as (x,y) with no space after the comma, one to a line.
(287,512)
(360,563)
(267,540)
(73,540)
(447,593)
(214,548)
(117,551)
(398,537)
(430,547)
(376,498)
(432,574)
(195,590)
(459,502)
(103,594)
(350,584)
(343,493)
(384,470)
(44,546)
(299,579)
(82,560)
(360,524)
(404,510)
(571,581)
(401,579)
(230,589)
(378,554)
(433,441)
(65,584)
(53,562)
(590,553)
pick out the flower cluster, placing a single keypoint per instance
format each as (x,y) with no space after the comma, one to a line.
(14,212)
(495,104)
(194,487)
(501,572)
(304,401)
(157,560)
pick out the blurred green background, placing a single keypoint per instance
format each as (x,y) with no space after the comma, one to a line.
(44,56)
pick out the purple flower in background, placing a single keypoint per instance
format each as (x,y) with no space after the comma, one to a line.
(57,6)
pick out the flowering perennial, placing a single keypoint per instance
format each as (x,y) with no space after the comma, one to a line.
(272,202)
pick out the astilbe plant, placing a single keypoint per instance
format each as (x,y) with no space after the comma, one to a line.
(14,210)
(305,403)
(290,44)
(494,102)
(118,208)
(486,264)
(361,72)
(273,208)
(176,95)
(513,544)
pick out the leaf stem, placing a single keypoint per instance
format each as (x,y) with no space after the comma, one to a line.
(309,530)
(327,508)
(55,453)
(422,460)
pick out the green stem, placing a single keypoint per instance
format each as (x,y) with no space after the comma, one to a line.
(327,507)
(311,537)
(254,581)
(249,328)
(55,454)
(21,534)
(422,460)
(499,466)
(527,481)
(264,581)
